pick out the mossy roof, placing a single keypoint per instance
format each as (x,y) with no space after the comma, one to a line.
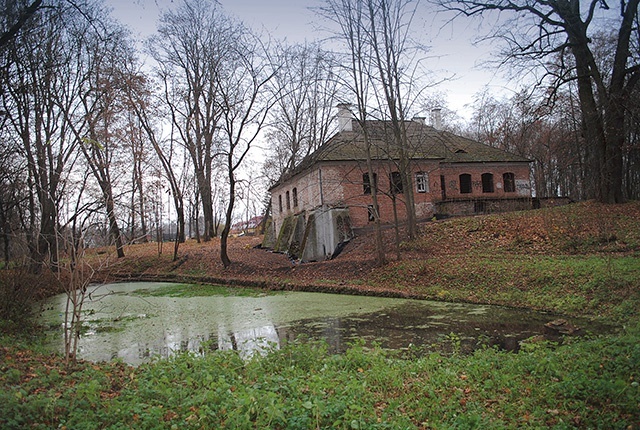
(424,143)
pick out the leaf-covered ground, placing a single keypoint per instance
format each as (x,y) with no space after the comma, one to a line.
(580,258)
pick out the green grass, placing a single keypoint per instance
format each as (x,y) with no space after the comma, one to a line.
(200,290)
(597,285)
(589,383)
(579,260)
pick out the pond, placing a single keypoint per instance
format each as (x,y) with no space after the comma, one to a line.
(136,322)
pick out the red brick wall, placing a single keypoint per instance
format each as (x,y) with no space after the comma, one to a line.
(342,185)
(452,173)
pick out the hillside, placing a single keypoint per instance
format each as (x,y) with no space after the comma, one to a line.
(579,259)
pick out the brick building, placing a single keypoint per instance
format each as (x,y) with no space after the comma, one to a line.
(450,175)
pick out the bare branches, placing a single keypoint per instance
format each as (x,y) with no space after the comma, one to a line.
(558,36)
(245,103)
(21,20)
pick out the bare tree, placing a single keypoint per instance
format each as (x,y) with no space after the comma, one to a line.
(74,274)
(349,16)
(550,137)
(13,195)
(632,156)
(391,66)
(191,48)
(390,24)
(16,14)
(560,33)
(134,138)
(245,102)
(103,99)
(41,88)
(141,102)
(301,119)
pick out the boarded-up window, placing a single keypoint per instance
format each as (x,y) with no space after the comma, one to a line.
(509,181)
(288,201)
(295,197)
(487,183)
(422,182)
(395,180)
(465,183)
(366,183)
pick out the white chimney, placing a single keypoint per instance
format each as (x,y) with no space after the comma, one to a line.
(344,117)
(436,118)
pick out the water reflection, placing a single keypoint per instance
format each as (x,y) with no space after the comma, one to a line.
(138,328)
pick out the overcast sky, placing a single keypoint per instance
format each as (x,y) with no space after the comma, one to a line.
(452,52)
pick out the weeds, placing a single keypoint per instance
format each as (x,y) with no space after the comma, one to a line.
(199,290)
(588,383)
(19,291)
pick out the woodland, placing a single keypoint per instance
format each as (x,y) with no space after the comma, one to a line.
(108,140)
(114,149)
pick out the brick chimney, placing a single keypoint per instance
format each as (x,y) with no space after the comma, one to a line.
(344,117)
(436,118)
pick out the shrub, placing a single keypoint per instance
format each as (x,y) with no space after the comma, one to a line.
(19,291)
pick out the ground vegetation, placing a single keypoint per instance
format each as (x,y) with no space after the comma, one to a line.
(580,259)
(577,259)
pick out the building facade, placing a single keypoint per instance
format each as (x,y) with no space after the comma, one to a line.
(450,175)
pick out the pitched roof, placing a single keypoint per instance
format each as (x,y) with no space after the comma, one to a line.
(424,143)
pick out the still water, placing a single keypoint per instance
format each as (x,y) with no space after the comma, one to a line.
(121,322)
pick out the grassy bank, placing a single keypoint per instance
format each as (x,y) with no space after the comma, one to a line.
(582,259)
(592,383)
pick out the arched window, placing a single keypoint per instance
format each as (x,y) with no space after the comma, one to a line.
(509,181)
(295,197)
(280,202)
(288,201)
(487,182)
(465,183)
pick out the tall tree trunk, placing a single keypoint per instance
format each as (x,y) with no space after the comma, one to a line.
(114,230)
(224,237)
(204,188)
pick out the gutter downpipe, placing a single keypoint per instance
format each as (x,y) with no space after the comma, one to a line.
(321,193)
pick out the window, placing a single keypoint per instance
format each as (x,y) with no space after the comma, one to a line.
(509,181)
(366,183)
(280,202)
(422,182)
(371,214)
(395,180)
(295,197)
(288,201)
(487,182)
(465,183)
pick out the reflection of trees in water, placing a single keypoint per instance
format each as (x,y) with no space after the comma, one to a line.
(247,342)
(416,325)
(427,326)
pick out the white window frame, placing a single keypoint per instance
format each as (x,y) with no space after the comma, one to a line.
(422,182)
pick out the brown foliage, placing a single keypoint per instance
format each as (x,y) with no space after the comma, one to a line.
(583,228)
